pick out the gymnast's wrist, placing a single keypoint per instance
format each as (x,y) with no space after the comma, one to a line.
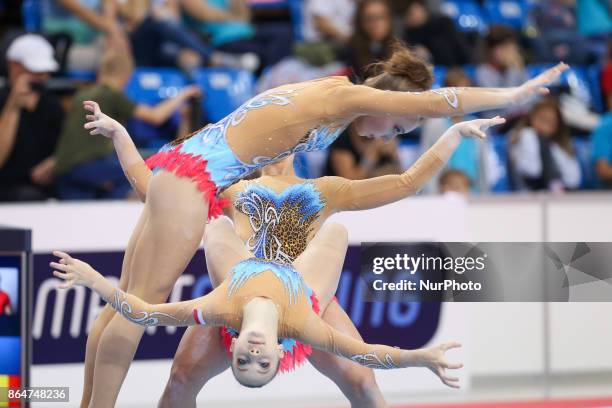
(412,358)
(120,137)
(512,96)
(103,287)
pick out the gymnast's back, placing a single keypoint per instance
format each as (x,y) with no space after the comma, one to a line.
(285,115)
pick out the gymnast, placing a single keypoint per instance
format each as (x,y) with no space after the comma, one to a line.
(191,173)
(264,300)
(277,214)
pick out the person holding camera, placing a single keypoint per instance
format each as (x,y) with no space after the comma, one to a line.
(30,120)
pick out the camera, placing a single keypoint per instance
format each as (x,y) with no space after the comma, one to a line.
(37,86)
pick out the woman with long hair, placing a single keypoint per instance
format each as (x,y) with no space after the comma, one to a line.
(372,39)
(542,155)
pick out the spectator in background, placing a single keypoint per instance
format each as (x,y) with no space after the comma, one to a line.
(30,120)
(606,78)
(504,66)
(594,24)
(372,39)
(556,37)
(86,166)
(602,150)
(541,153)
(475,159)
(5,302)
(328,20)
(159,38)
(454,181)
(227,24)
(355,157)
(85,21)
(436,34)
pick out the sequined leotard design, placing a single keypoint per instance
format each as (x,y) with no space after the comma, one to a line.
(281,222)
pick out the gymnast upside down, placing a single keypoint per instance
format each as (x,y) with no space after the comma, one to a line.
(264,300)
(190,175)
(277,214)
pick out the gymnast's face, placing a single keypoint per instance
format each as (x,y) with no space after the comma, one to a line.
(377,127)
(255,358)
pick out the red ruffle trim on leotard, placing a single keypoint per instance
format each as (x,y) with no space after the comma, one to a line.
(194,167)
(291,359)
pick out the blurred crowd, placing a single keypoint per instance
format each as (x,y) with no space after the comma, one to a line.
(55,54)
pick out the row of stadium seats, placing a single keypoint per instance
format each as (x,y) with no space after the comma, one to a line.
(223,91)
(469,15)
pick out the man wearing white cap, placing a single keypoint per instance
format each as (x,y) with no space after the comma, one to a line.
(30,120)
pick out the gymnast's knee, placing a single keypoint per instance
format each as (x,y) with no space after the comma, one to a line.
(181,379)
(361,386)
(119,341)
(336,234)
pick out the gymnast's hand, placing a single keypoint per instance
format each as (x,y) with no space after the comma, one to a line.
(102,124)
(476,127)
(434,359)
(536,86)
(73,271)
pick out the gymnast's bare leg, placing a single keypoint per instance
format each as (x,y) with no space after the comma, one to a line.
(197,362)
(321,265)
(106,315)
(200,355)
(167,242)
(357,383)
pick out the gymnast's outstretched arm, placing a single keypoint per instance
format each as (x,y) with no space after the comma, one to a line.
(322,336)
(377,191)
(203,310)
(134,167)
(347,100)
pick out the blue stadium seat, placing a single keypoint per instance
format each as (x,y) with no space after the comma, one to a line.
(268,4)
(583,153)
(80,75)
(297,19)
(499,143)
(575,78)
(513,13)
(32,12)
(224,90)
(439,72)
(467,14)
(594,75)
(150,86)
